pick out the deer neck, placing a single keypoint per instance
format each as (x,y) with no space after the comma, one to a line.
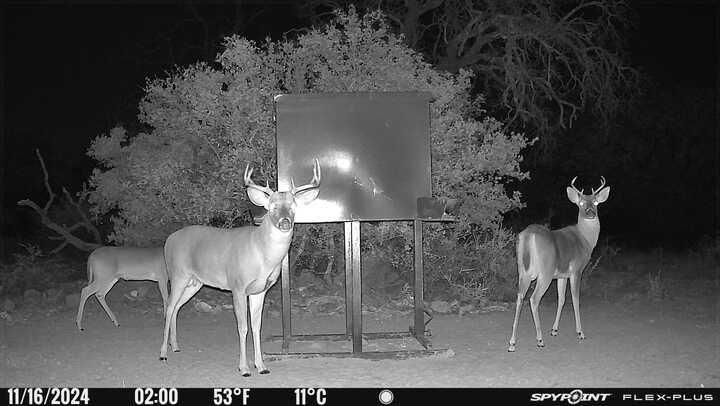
(273,243)
(589,229)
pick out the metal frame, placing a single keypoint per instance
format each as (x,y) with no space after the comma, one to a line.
(427,209)
(353,309)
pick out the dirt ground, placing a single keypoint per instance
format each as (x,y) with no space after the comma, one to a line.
(631,341)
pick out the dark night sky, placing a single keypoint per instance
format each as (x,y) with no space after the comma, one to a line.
(70,69)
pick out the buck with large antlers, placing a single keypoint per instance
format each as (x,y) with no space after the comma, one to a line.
(106,265)
(544,255)
(244,260)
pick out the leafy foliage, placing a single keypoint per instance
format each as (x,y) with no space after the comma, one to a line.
(207,123)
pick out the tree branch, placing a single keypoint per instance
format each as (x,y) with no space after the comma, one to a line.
(64,232)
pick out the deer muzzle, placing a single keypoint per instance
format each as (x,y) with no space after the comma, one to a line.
(285,224)
(591,212)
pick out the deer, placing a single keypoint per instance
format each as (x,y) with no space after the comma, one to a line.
(544,255)
(106,265)
(244,260)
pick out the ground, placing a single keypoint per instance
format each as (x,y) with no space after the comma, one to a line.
(670,338)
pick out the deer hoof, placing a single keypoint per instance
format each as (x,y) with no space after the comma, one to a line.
(264,372)
(163,359)
(554,332)
(540,343)
(245,374)
(581,336)
(511,348)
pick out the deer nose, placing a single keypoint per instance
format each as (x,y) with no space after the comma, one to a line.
(590,212)
(285,224)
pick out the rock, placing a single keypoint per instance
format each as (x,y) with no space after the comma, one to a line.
(465,309)
(72,300)
(143,291)
(202,306)
(440,306)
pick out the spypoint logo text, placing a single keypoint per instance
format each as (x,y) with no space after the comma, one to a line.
(573,398)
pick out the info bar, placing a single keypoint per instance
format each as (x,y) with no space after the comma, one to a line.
(311,396)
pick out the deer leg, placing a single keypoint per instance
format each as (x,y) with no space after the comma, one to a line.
(86,292)
(575,292)
(101,298)
(561,285)
(256,305)
(175,295)
(163,286)
(240,305)
(523,285)
(190,290)
(541,286)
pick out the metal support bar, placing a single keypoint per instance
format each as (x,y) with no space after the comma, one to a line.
(356,288)
(348,280)
(353,308)
(343,337)
(285,300)
(419,325)
(371,355)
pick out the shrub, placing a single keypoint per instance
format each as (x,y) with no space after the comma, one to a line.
(33,270)
(208,122)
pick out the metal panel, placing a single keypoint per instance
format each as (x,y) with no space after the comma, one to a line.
(373,148)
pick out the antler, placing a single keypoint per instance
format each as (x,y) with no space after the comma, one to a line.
(315,182)
(249,182)
(602,185)
(572,185)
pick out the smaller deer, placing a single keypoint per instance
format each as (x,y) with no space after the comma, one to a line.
(106,265)
(544,255)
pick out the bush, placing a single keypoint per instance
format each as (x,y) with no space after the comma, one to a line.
(208,122)
(33,270)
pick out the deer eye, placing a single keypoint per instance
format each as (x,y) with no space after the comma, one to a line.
(595,203)
(582,203)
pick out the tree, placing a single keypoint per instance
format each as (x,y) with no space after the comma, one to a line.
(540,62)
(207,123)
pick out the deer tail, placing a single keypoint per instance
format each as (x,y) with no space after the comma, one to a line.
(523,252)
(89,270)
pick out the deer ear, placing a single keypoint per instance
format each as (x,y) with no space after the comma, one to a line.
(572,195)
(258,197)
(603,195)
(306,196)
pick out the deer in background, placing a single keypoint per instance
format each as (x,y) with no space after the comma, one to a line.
(544,255)
(244,260)
(106,265)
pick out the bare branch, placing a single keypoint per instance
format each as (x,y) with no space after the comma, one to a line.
(51,195)
(63,232)
(60,230)
(85,223)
